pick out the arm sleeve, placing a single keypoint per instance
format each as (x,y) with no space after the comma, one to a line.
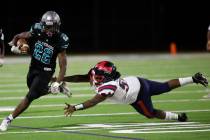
(36,29)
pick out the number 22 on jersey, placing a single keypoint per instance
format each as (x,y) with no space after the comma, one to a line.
(42,54)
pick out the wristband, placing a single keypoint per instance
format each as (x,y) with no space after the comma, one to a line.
(79,107)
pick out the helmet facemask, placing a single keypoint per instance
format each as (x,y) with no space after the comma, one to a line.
(103,72)
(96,80)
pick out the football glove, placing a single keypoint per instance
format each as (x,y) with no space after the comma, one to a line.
(55,88)
(15,50)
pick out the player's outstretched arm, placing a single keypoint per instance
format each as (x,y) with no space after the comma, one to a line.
(69,109)
(77,78)
(74,78)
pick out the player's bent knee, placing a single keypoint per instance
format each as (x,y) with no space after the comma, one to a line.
(32,96)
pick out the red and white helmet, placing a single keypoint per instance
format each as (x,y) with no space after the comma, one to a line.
(103,72)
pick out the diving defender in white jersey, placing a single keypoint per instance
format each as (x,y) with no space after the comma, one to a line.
(135,91)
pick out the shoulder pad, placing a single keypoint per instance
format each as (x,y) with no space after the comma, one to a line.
(36,27)
(64,40)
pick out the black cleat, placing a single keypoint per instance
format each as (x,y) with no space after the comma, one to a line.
(182,117)
(198,78)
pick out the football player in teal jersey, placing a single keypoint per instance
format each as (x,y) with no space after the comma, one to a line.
(46,44)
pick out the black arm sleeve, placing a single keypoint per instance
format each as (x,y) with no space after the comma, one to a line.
(77,78)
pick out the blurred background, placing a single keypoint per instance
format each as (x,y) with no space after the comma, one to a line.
(104,26)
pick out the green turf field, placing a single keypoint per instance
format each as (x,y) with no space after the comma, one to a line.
(44,120)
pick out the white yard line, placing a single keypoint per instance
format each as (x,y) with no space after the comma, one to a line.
(91,95)
(11,108)
(47,97)
(81,89)
(28,132)
(156,132)
(79,115)
(25,89)
(96,115)
(75,89)
(128,128)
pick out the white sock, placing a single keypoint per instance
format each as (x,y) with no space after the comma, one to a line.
(171,116)
(185,81)
(10,117)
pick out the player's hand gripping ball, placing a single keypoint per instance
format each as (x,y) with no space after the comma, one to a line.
(23,46)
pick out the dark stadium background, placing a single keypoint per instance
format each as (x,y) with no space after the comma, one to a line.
(117,26)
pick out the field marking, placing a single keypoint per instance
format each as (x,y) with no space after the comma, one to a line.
(11,108)
(79,115)
(101,114)
(21,85)
(163,128)
(155,132)
(46,130)
(91,95)
(46,97)
(122,128)
(136,128)
(26,90)
(123,125)
(28,132)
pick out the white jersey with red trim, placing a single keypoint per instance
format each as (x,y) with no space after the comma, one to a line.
(123,90)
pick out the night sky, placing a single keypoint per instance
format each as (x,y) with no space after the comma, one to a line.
(119,26)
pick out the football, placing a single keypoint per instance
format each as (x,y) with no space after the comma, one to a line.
(23,46)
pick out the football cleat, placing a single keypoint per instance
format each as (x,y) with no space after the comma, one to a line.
(182,117)
(207,96)
(1,62)
(5,123)
(198,78)
(65,90)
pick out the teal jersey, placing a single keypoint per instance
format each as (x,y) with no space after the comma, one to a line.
(44,49)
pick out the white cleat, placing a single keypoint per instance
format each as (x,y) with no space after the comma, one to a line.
(5,123)
(1,62)
(207,96)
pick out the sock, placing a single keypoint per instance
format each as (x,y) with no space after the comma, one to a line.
(10,117)
(185,81)
(171,116)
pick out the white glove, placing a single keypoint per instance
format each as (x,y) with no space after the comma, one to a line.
(55,88)
(11,44)
(15,50)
